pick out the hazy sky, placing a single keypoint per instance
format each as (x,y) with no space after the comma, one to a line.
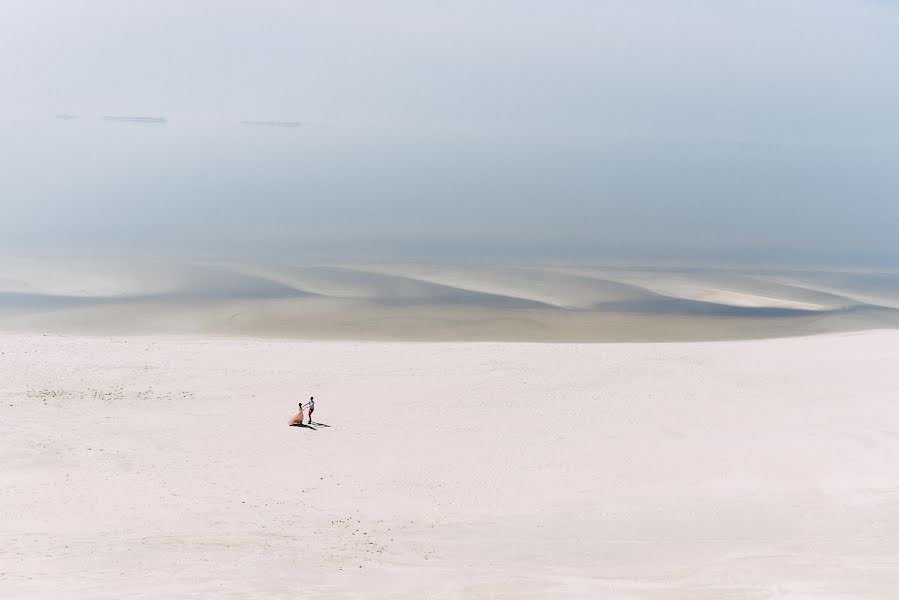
(720,129)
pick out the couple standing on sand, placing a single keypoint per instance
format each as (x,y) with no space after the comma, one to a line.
(298,418)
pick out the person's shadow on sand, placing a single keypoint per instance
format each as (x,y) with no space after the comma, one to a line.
(319,424)
(304,425)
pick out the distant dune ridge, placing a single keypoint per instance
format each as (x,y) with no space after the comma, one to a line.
(441,302)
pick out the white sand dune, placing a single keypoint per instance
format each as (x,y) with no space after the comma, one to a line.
(549,286)
(161,467)
(732,288)
(880,288)
(88,278)
(135,279)
(383,286)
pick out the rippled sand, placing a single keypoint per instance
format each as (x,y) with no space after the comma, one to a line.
(512,302)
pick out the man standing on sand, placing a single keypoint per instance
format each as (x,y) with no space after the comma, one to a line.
(311,405)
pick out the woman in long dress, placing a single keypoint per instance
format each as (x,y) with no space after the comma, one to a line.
(298,418)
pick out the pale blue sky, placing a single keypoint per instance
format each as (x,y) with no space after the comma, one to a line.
(744,129)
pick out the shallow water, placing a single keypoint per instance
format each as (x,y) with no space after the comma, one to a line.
(520,302)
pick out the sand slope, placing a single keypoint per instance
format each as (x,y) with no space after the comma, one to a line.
(161,467)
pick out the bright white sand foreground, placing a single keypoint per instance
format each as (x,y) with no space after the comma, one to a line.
(151,467)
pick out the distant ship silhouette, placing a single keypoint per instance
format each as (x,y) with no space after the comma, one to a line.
(135,119)
(273,123)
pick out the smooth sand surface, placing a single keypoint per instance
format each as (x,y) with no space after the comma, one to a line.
(163,467)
